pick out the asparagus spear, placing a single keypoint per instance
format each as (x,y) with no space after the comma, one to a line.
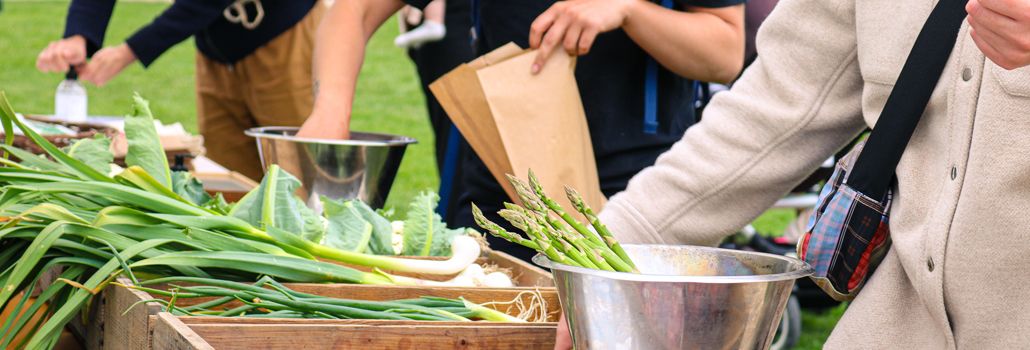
(606,252)
(558,210)
(499,231)
(575,245)
(545,244)
(609,239)
(528,197)
(563,239)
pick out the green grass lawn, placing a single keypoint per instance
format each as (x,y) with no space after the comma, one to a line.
(388,100)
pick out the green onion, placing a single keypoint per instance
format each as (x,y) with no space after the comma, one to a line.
(271,298)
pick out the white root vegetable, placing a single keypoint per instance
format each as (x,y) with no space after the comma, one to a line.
(496,280)
(464,252)
(472,276)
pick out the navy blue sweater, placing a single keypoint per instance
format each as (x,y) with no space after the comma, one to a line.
(216,37)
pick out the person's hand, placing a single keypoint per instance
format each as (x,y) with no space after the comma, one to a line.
(63,54)
(326,125)
(563,340)
(106,64)
(411,16)
(574,24)
(1001,29)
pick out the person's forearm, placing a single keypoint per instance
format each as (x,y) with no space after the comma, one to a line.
(793,108)
(340,50)
(697,44)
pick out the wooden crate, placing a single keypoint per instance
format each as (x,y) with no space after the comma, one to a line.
(205,333)
(232,185)
(170,332)
(108,328)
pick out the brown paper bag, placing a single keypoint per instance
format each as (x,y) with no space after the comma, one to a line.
(461,95)
(516,121)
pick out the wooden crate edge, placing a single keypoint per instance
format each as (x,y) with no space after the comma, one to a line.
(170,333)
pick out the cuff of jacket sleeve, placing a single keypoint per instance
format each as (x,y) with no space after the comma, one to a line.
(145,49)
(93,41)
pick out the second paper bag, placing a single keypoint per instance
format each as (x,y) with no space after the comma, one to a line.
(542,124)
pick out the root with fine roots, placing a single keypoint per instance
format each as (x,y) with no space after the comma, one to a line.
(528,305)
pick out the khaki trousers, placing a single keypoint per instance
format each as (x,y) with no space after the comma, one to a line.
(270,87)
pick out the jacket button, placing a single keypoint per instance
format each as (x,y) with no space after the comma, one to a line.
(967,74)
(929,264)
(954,173)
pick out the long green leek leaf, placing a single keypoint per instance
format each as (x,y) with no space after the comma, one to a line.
(239,229)
(30,259)
(52,328)
(34,161)
(83,170)
(54,213)
(136,176)
(7,124)
(14,325)
(122,194)
(283,267)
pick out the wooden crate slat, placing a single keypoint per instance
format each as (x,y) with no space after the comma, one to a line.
(113,325)
(365,337)
(200,320)
(170,333)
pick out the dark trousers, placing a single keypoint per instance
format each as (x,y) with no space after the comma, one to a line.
(433,60)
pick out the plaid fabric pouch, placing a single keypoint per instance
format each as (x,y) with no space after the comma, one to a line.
(847,236)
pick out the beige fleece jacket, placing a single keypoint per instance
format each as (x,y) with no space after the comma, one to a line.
(957,274)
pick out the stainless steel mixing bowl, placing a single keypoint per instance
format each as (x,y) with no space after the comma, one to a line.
(686,297)
(362,167)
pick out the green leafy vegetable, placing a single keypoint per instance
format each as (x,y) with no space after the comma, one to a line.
(273,204)
(347,228)
(94,152)
(380,243)
(188,187)
(218,204)
(425,233)
(145,148)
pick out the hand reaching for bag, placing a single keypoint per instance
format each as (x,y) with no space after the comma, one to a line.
(574,25)
(1001,29)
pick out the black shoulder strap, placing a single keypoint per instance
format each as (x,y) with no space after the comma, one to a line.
(875,166)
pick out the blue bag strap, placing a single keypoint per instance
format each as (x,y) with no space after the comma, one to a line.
(651,89)
(450,168)
(451,155)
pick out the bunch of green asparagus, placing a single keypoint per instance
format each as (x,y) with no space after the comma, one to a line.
(269,298)
(561,237)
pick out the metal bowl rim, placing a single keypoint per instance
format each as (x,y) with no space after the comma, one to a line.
(804,270)
(262,133)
